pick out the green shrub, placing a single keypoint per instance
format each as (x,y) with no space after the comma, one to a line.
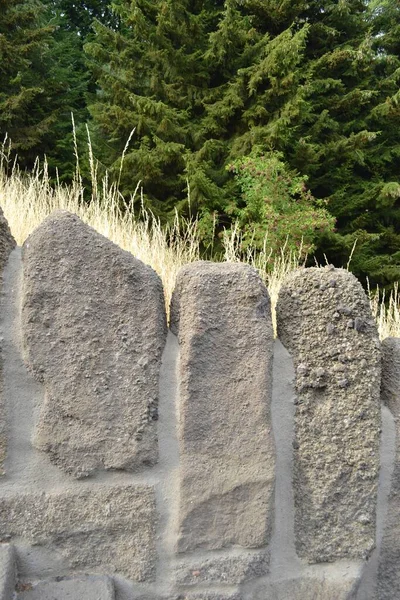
(277,203)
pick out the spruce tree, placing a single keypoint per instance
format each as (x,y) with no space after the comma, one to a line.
(27,112)
(206,82)
(152,78)
(195,79)
(347,143)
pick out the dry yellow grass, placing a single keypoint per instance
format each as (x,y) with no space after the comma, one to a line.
(387,315)
(27,199)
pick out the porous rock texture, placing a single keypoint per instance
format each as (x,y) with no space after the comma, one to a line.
(389,557)
(307,588)
(193,595)
(227,458)
(325,322)
(94,329)
(8,571)
(218,570)
(78,588)
(7,243)
(207,595)
(110,528)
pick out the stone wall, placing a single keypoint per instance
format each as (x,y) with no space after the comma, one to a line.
(201,462)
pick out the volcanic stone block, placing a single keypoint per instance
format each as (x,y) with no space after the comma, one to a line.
(94,329)
(85,588)
(389,557)
(325,322)
(308,588)
(7,243)
(8,572)
(207,595)
(231,570)
(109,528)
(227,458)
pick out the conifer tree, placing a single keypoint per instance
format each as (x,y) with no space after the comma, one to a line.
(152,78)
(348,142)
(27,111)
(193,78)
(206,82)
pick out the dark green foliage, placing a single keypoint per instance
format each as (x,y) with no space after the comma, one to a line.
(69,70)
(204,83)
(78,16)
(277,203)
(207,83)
(44,78)
(27,110)
(348,144)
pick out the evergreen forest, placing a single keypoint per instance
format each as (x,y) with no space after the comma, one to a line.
(282,116)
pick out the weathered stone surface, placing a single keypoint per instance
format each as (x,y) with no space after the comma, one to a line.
(94,329)
(230,570)
(111,528)
(8,571)
(325,322)
(389,557)
(227,460)
(78,588)
(307,588)
(192,595)
(7,243)
(207,595)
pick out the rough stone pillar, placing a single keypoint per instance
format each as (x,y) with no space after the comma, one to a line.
(223,318)
(389,559)
(325,322)
(7,243)
(94,328)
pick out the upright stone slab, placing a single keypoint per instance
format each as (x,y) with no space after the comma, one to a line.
(325,322)
(7,243)
(226,478)
(110,529)
(389,557)
(94,329)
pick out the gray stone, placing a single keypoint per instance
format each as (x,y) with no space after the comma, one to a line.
(192,595)
(207,595)
(307,588)
(94,329)
(227,458)
(337,420)
(8,571)
(111,528)
(389,557)
(231,570)
(7,243)
(79,588)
